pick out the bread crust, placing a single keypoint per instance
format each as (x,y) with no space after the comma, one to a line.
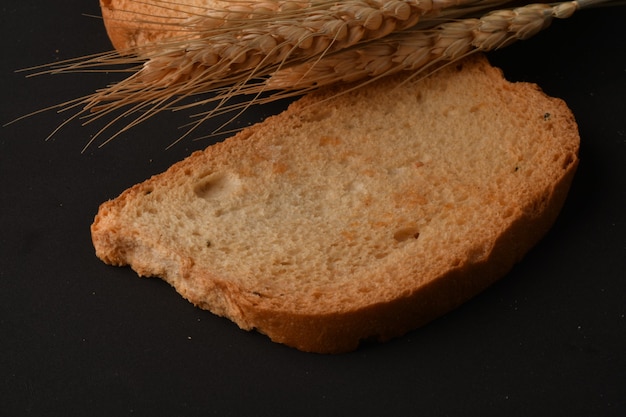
(405,305)
(132,25)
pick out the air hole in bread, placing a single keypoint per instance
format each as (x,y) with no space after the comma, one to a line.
(406,233)
(508,212)
(216,186)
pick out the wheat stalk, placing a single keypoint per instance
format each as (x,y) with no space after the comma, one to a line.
(254,39)
(173,70)
(259,39)
(415,50)
(230,31)
(419,51)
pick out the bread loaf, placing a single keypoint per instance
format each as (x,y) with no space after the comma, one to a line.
(357,216)
(132,24)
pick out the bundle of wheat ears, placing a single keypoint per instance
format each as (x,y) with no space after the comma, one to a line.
(267,50)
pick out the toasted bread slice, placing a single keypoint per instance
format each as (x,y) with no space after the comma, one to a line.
(357,216)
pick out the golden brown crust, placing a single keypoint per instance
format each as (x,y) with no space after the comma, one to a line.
(133,24)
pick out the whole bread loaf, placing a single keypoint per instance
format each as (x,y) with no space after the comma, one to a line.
(355,216)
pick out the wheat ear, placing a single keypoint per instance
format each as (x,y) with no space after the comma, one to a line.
(255,39)
(146,93)
(422,49)
(238,31)
(417,52)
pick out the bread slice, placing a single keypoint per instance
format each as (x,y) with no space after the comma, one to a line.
(358,216)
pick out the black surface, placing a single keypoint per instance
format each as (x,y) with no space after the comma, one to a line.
(79,338)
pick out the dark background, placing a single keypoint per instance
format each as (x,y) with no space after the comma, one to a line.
(79,338)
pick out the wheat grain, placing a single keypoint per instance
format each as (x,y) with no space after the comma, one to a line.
(364,18)
(276,37)
(260,37)
(417,50)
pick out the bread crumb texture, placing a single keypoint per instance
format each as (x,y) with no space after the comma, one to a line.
(357,216)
